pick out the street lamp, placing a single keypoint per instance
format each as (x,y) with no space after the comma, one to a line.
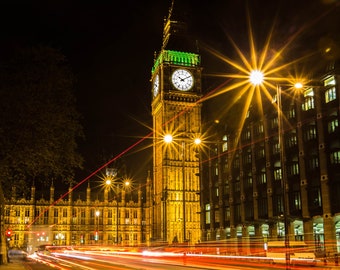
(256,78)
(97,227)
(168,138)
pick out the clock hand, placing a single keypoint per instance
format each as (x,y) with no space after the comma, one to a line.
(183,79)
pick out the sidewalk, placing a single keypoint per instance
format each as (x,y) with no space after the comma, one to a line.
(13,265)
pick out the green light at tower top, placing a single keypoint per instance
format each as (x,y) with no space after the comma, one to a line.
(177,58)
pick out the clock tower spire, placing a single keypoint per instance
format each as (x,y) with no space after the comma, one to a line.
(176,111)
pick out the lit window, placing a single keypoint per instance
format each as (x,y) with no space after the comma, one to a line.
(262,177)
(249,180)
(291,113)
(329,81)
(225,146)
(274,123)
(333,125)
(276,148)
(297,200)
(259,128)
(260,153)
(310,133)
(313,162)
(308,103)
(207,213)
(335,157)
(216,169)
(293,169)
(277,174)
(292,140)
(246,135)
(330,94)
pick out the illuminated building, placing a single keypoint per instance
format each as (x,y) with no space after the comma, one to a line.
(176,90)
(233,191)
(91,220)
(242,180)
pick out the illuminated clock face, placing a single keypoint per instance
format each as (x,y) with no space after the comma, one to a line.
(182,79)
(156,85)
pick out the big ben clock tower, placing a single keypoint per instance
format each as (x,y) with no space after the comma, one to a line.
(176,112)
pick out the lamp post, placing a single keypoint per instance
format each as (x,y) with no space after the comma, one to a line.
(97,225)
(256,78)
(283,173)
(168,139)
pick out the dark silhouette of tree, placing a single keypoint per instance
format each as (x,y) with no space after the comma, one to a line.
(39,123)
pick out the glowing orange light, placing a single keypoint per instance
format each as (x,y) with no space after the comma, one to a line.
(298,85)
(168,138)
(256,77)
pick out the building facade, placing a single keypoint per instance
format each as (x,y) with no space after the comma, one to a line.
(230,189)
(176,112)
(102,218)
(243,171)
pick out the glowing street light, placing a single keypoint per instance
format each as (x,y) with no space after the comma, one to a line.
(298,85)
(256,77)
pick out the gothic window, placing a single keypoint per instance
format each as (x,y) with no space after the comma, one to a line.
(109,217)
(27,216)
(46,214)
(82,217)
(56,216)
(207,213)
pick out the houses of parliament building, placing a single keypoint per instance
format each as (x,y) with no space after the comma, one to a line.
(274,173)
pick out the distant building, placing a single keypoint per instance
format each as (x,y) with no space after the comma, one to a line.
(114,219)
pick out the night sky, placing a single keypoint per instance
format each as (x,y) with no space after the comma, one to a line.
(110,46)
